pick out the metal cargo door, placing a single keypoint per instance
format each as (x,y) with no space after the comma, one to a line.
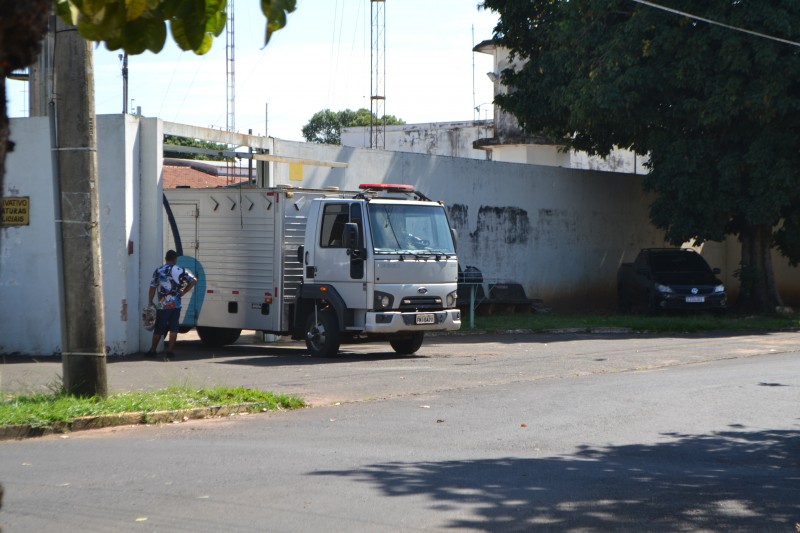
(238,253)
(180,234)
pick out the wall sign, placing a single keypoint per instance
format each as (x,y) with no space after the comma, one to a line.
(15,211)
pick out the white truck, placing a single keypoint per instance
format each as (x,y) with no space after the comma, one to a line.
(324,266)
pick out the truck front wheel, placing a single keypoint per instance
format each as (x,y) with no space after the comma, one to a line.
(216,337)
(408,345)
(322,334)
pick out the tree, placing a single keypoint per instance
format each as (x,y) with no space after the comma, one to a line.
(195,143)
(717,110)
(134,26)
(326,126)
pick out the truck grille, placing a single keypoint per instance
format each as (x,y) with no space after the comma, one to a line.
(421,303)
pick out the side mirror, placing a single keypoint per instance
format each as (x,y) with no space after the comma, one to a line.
(454,234)
(717,271)
(350,235)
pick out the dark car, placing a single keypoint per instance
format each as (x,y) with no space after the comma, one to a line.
(669,278)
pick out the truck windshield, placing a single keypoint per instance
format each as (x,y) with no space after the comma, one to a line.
(411,229)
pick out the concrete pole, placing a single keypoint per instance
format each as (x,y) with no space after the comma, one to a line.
(83,351)
(125,83)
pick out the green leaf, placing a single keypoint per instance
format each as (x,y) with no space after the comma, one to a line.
(135,9)
(139,25)
(276,11)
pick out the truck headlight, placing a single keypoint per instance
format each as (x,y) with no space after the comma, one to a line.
(719,288)
(382,301)
(664,288)
(451,299)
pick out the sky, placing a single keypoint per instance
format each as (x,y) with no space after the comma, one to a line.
(320,60)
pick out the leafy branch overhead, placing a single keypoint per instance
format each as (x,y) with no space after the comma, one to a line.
(139,25)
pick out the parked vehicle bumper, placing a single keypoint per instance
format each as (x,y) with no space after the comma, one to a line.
(401,322)
(679,302)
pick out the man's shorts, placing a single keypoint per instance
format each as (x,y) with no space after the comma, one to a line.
(167,319)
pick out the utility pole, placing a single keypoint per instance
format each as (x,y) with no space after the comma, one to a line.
(124,59)
(230,70)
(83,339)
(377,121)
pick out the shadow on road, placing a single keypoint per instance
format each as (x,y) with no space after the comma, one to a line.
(727,481)
(579,334)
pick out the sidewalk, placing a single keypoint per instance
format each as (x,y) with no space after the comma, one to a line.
(373,370)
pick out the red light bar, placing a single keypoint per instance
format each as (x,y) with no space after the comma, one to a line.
(389,187)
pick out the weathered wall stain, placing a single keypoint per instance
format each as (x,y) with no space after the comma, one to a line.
(555,228)
(458,214)
(507,225)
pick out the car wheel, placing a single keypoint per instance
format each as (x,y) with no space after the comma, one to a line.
(651,304)
(216,337)
(624,302)
(322,334)
(408,345)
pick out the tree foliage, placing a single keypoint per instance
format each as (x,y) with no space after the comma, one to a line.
(717,110)
(326,126)
(139,25)
(194,143)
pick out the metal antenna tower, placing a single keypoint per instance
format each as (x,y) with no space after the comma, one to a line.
(377,122)
(230,71)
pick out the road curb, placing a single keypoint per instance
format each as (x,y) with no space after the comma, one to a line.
(595,331)
(25,431)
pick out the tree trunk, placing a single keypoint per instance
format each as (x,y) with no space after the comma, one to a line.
(22,26)
(758,291)
(83,354)
(4,133)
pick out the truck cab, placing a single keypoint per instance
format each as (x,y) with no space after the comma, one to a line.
(378,265)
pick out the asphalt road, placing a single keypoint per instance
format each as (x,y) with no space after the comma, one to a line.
(515,432)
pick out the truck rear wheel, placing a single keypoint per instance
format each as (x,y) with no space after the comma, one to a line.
(408,345)
(216,337)
(322,334)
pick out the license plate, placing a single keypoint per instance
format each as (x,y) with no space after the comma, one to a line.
(426,318)
(695,299)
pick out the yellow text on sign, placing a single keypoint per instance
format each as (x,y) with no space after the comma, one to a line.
(15,211)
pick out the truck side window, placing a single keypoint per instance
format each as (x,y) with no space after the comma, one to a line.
(334,217)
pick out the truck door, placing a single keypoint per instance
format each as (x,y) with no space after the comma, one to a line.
(336,264)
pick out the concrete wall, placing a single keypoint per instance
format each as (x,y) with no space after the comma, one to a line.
(562,233)
(456,139)
(452,139)
(30,312)
(559,232)
(30,315)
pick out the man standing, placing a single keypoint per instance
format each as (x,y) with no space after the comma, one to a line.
(170,282)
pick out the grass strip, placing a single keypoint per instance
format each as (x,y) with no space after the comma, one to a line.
(44,409)
(668,323)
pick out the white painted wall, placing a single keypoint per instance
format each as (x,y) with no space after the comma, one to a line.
(559,232)
(30,315)
(452,139)
(562,233)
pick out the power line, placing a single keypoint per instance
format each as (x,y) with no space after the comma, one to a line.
(715,23)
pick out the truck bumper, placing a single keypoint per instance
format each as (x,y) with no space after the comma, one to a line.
(399,322)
